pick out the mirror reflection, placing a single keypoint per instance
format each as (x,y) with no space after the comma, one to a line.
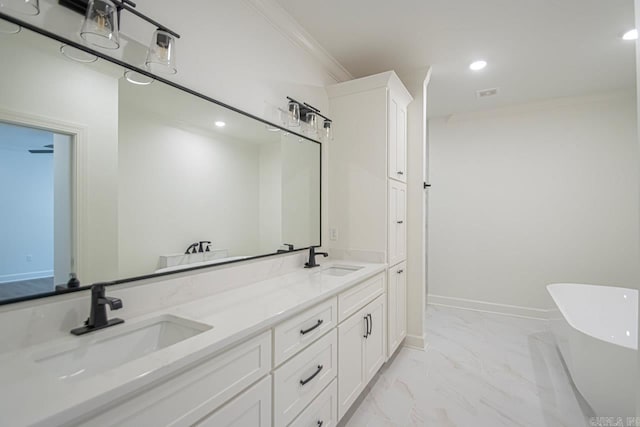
(105,179)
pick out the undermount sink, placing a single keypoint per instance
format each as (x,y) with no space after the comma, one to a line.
(340,270)
(112,347)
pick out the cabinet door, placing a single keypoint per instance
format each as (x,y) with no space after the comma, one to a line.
(397,141)
(397,222)
(351,380)
(250,409)
(397,307)
(375,345)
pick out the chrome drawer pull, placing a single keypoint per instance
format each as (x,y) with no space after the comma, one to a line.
(370,324)
(303,382)
(306,331)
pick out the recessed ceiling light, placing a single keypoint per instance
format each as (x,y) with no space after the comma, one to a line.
(630,35)
(220,124)
(478,65)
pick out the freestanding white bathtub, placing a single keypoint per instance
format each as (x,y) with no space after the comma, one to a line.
(596,330)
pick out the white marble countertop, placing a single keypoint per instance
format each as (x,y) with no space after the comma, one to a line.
(32,396)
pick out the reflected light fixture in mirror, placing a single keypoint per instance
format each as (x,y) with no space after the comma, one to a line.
(25,7)
(161,57)
(100,26)
(137,78)
(77,54)
(7,27)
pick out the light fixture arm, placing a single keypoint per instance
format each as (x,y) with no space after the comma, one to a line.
(130,7)
(307,108)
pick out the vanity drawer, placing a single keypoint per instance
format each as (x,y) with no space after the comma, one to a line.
(323,411)
(301,379)
(187,397)
(293,335)
(352,300)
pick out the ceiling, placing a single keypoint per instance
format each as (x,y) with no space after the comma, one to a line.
(535,49)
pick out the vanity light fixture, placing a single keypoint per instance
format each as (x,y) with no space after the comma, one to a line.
(7,27)
(101,28)
(328,130)
(630,35)
(25,7)
(478,65)
(77,54)
(220,124)
(137,78)
(161,57)
(312,119)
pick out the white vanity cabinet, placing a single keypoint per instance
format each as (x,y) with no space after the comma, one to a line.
(250,409)
(397,138)
(184,399)
(397,222)
(368,173)
(397,297)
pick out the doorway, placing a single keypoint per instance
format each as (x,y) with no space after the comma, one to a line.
(36,221)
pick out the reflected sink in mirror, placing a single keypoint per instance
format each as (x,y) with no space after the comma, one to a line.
(340,270)
(109,348)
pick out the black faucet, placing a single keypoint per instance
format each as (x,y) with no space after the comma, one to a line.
(192,249)
(98,317)
(201,247)
(312,257)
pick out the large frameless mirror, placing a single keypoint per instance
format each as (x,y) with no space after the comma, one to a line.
(111,176)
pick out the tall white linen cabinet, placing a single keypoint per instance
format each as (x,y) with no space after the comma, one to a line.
(367,178)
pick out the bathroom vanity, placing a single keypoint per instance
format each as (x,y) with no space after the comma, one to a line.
(295,349)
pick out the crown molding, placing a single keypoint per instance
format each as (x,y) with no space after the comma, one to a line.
(290,28)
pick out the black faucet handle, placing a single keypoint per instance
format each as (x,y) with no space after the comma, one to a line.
(289,246)
(113,303)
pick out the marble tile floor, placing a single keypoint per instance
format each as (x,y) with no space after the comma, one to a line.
(478,369)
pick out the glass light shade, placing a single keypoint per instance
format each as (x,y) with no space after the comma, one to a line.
(161,58)
(328,130)
(100,26)
(77,54)
(312,120)
(26,7)
(137,78)
(271,114)
(294,114)
(7,27)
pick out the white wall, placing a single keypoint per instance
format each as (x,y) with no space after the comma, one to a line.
(177,187)
(63,215)
(50,99)
(534,194)
(270,183)
(26,191)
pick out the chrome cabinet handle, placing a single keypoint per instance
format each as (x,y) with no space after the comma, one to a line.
(369,325)
(306,331)
(303,382)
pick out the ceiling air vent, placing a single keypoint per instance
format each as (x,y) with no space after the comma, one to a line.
(484,93)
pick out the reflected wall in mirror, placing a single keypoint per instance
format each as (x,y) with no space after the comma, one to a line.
(125,179)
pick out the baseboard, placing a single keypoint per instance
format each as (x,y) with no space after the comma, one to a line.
(415,341)
(488,307)
(25,276)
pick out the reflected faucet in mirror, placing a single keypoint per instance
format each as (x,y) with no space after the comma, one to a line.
(98,317)
(289,248)
(199,247)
